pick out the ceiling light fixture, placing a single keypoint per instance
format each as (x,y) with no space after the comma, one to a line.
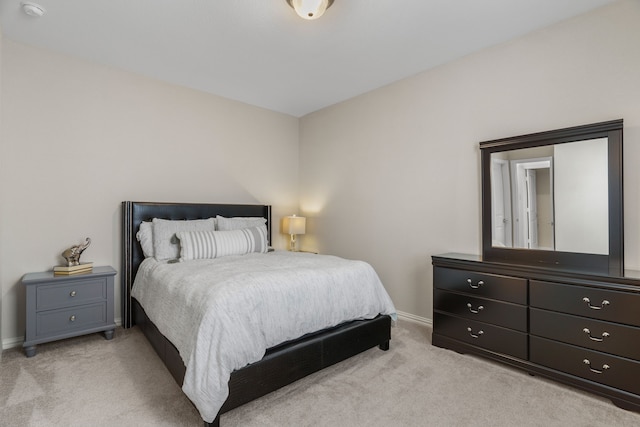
(32,9)
(310,9)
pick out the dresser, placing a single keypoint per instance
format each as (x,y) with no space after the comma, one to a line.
(59,307)
(581,329)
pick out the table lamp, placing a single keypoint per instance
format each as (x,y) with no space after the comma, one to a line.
(293,225)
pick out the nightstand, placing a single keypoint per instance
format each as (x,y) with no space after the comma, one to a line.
(60,307)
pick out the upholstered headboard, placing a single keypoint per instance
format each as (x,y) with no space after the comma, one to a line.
(134,213)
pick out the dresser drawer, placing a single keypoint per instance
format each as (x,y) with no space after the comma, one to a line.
(490,337)
(504,288)
(55,322)
(603,304)
(508,315)
(67,294)
(598,335)
(603,368)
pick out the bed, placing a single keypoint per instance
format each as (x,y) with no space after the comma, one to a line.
(282,363)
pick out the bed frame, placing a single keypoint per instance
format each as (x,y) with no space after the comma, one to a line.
(281,365)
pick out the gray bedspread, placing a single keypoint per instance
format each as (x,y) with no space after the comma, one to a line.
(224,313)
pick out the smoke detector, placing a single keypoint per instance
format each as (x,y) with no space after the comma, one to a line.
(33,9)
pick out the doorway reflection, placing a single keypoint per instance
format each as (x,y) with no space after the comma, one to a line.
(551,197)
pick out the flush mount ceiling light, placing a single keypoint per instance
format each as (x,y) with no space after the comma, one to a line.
(310,9)
(32,9)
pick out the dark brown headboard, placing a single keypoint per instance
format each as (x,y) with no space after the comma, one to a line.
(134,213)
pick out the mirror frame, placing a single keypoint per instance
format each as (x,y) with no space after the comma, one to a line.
(611,264)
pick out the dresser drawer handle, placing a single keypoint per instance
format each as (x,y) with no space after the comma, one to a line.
(596,371)
(72,318)
(480,332)
(592,338)
(72,293)
(603,304)
(480,307)
(480,283)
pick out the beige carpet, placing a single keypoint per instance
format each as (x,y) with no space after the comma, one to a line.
(90,381)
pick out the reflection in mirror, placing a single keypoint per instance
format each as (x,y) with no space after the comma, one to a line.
(552,197)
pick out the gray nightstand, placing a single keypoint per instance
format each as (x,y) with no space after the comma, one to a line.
(61,307)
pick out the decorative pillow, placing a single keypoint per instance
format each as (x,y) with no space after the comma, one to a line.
(165,243)
(145,237)
(239,222)
(215,244)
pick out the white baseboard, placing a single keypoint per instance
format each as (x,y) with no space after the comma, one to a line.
(17,341)
(12,342)
(413,318)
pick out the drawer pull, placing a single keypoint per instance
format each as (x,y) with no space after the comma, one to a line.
(72,293)
(596,371)
(595,307)
(480,307)
(592,338)
(480,283)
(72,318)
(480,332)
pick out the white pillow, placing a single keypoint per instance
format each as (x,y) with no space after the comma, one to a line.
(165,243)
(215,244)
(145,237)
(239,222)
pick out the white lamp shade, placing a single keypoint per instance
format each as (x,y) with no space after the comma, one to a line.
(294,224)
(310,9)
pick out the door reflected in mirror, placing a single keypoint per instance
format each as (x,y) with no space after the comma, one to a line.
(553,197)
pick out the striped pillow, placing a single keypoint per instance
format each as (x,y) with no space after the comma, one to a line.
(165,245)
(208,244)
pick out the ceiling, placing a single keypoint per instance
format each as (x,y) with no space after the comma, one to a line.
(261,53)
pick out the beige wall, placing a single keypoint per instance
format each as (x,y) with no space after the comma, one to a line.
(1,193)
(393,176)
(80,138)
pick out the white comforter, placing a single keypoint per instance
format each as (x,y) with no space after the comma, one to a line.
(223,314)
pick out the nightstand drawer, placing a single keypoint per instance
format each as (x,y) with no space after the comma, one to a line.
(604,304)
(70,319)
(607,337)
(499,313)
(603,368)
(504,288)
(490,337)
(68,294)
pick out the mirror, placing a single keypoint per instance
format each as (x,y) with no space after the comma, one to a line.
(554,199)
(539,195)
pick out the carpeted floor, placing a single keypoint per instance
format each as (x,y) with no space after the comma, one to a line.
(90,381)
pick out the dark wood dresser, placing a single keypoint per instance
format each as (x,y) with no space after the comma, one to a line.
(582,329)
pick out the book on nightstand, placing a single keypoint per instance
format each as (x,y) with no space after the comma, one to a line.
(63,270)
